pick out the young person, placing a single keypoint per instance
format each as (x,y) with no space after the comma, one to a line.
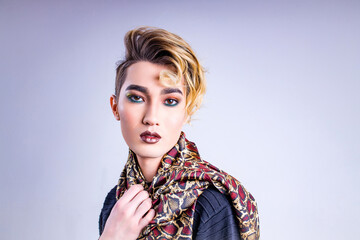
(166,191)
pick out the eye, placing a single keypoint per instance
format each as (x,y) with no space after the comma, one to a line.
(171,102)
(135,98)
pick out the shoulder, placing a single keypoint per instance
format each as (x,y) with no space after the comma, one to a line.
(110,199)
(214,217)
(212,201)
(109,203)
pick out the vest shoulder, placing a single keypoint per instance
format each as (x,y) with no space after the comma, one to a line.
(211,202)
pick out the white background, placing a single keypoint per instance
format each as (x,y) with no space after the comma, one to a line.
(281,112)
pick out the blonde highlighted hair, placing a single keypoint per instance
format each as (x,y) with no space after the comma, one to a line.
(159,46)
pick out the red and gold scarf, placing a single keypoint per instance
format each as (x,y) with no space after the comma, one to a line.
(180,180)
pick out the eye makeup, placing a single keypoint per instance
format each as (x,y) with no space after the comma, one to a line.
(171,102)
(134,98)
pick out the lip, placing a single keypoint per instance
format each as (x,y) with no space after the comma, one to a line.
(150,137)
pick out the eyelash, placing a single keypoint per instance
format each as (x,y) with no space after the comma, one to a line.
(132,97)
(170,102)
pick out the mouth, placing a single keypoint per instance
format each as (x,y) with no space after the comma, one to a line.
(149,137)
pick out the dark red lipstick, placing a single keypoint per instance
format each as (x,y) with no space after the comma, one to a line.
(150,137)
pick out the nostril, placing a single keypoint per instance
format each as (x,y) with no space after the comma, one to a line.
(149,122)
(151,115)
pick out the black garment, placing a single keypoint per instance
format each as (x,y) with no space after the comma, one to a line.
(213,219)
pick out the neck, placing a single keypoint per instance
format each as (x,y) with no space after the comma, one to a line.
(149,166)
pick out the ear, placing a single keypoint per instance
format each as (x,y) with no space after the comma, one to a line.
(114,109)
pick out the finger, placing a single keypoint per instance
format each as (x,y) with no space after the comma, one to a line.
(131,193)
(147,218)
(143,208)
(137,200)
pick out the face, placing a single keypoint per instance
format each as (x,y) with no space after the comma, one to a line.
(151,115)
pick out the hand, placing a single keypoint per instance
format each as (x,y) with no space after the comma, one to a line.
(129,216)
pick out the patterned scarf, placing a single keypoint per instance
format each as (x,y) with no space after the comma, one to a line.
(180,180)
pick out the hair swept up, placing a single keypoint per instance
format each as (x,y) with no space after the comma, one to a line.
(159,46)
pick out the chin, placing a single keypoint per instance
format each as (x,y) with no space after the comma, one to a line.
(150,151)
(150,155)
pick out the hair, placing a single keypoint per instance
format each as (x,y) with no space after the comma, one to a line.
(159,46)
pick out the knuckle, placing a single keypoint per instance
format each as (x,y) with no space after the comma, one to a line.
(120,203)
(134,227)
(147,203)
(137,187)
(121,210)
(144,194)
(125,214)
(118,206)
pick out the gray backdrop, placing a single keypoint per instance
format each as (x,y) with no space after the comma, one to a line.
(281,112)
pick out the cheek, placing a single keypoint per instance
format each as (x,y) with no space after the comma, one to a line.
(129,117)
(177,120)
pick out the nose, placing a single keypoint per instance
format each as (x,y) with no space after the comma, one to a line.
(151,115)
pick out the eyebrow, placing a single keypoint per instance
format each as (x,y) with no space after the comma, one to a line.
(137,88)
(146,91)
(171,90)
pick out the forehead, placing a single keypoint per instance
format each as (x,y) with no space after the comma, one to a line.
(148,74)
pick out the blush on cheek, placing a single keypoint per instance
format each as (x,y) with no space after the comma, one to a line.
(129,115)
(130,118)
(130,112)
(177,120)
